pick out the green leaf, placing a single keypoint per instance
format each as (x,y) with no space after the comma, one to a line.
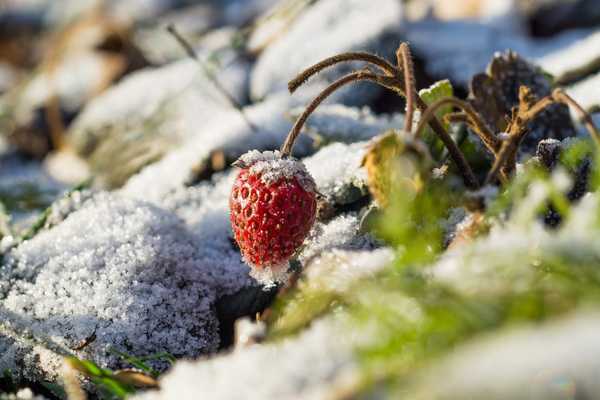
(140,362)
(439,90)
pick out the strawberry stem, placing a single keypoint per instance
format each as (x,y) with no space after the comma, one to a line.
(363,75)
(391,80)
(405,59)
(305,75)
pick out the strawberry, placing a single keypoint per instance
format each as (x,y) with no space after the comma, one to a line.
(272,209)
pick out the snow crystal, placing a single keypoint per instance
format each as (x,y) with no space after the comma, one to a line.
(343,180)
(339,233)
(272,167)
(270,275)
(121,268)
(205,210)
(292,369)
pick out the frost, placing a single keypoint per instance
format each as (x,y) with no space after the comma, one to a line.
(270,275)
(121,268)
(504,258)
(310,366)
(343,180)
(327,22)
(339,233)
(271,167)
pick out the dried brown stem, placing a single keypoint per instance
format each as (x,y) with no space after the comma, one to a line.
(479,127)
(403,54)
(363,75)
(560,96)
(456,118)
(391,80)
(517,131)
(305,75)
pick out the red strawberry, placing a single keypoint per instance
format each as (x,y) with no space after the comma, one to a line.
(272,209)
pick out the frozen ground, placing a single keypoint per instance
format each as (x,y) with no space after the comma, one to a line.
(142,258)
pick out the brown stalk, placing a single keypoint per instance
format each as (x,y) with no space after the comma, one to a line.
(528,109)
(405,59)
(374,60)
(490,140)
(391,80)
(363,75)
(457,117)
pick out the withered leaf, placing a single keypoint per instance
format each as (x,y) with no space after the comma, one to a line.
(496,92)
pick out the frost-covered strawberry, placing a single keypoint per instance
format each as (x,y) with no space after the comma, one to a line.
(272,209)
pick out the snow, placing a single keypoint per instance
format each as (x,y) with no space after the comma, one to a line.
(549,361)
(154,110)
(337,26)
(339,123)
(459,49)
(292,369)
(344,179)
(505,259)
(340,233)
(122,268)
(289,369)
(585,93)
(573,60)
(229,133)
(335,271)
